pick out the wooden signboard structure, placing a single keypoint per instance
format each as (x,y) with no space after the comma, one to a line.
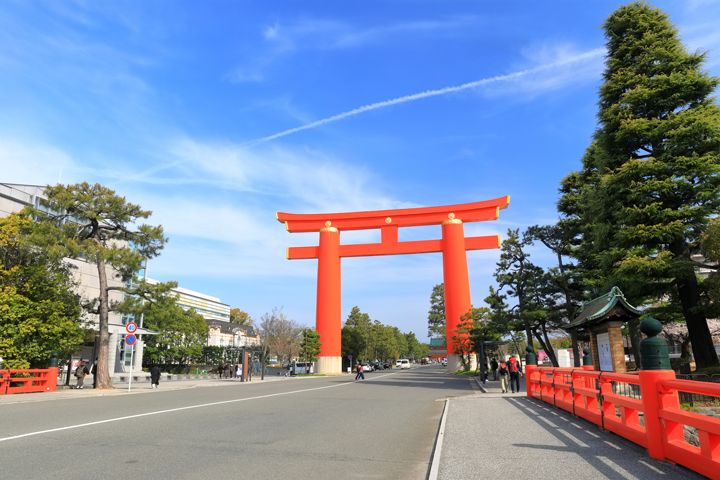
(453,246)
(603,318)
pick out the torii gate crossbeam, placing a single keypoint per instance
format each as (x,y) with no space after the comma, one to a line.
(453,246)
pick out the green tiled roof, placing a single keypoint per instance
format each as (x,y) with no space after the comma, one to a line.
(437,341)
(601,306)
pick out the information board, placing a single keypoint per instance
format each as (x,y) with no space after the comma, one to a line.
(603,343)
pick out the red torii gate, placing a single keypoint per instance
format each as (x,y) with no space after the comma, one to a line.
(453,246)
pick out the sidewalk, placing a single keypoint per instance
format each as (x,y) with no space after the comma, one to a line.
(510,436)
(122,389)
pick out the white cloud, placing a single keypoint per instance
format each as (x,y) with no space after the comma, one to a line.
(240,76)
(332,34)
(33,164)
(553,74)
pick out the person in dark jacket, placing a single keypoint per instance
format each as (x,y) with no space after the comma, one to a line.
(80,373)
(155,377)
(94,373)
(494,367)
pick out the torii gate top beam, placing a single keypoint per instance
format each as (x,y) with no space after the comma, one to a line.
(408,217)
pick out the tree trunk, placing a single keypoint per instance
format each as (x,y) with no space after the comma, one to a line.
(689,292)
(685,349)
(549,350)
(544,347)
(104,382)
(635,338)
(576,351)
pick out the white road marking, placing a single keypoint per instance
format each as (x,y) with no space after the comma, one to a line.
(435,468)
(575,425)
(547,421)
(613,445)
(652,467)
(109,420)
(617,468)
(414,381)
(590,433)
(554,413)
(573,438)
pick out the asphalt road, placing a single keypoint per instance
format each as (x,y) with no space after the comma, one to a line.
(318,428)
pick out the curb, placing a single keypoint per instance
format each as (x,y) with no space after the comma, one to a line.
(435,464)
(482,387)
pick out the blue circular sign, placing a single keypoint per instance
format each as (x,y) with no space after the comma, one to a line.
(130,339)
(350,357)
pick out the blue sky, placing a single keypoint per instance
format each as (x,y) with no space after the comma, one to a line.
(212,115)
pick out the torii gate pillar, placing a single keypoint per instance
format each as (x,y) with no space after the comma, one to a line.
(328,316)
(453,246)
(457,286)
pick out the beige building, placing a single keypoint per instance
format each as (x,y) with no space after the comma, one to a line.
(13,198)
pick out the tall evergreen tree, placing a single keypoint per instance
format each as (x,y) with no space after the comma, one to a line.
(92,222)
(656,155)
(436,315)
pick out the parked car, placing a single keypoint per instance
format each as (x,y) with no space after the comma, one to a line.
(367,367)
(398,362)
(387,365)
(404,363)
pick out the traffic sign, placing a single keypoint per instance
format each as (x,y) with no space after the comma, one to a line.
(131,327)
(130,339)
(350,357)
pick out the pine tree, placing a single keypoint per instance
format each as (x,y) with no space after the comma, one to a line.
(92,222)
(310,347)
(436,315)
(652,180)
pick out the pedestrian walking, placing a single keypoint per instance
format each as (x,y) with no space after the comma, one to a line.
(494,366)
(80,373)
(94,373)
(360,372)
(155,377)
(503,372)
(515,373)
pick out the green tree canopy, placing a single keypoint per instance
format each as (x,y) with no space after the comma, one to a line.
(650,182)
(436,315)
(182,333)
(39,311)
(310,346)
(92,222)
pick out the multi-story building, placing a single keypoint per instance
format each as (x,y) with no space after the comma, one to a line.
(15,197)
(217,316)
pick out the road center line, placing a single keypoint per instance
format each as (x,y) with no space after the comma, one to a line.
(109,420)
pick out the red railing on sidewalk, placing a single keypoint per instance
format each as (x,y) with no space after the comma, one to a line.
(39,380)
(589,394)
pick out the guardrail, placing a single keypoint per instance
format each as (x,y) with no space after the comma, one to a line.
(652,419)
(32,380)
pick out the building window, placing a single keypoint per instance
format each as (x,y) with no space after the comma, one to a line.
(222,340)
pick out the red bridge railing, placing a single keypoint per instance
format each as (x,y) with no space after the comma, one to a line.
(589,394)
(27,381)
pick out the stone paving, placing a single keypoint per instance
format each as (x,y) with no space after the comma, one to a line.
(510,436)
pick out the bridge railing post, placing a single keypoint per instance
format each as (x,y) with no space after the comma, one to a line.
(655,365)
(530,366)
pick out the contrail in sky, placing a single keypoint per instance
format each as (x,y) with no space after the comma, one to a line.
(432,93)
